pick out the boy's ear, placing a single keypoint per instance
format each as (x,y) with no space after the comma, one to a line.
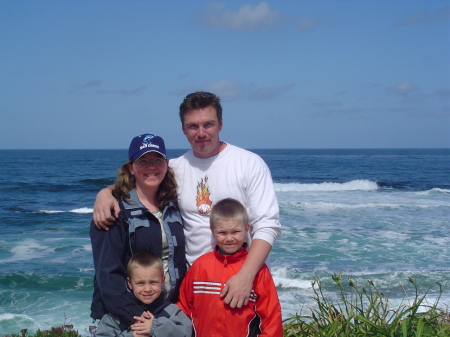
(129,283)
(163,280)
(247,228)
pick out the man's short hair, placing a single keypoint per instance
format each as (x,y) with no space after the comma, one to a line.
(228,209)
(200,100)
(144,260)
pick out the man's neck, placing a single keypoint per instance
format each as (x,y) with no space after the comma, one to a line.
(220,148)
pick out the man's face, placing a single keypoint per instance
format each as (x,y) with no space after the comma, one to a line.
(201,128)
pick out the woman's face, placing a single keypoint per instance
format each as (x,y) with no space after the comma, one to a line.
(149,171)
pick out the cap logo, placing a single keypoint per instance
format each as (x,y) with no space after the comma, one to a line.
(147,142)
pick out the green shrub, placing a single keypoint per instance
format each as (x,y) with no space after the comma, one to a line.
(359,312)
(367,312)
(61,331)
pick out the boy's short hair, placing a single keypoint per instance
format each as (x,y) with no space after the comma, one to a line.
(228,209)
(144,260)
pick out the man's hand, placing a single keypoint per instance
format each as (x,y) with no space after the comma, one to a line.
(106,209)
(237,290)
(142,324)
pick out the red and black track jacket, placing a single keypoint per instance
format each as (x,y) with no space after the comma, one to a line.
(200,299)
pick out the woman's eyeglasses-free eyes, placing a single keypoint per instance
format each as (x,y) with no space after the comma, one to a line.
(146,162)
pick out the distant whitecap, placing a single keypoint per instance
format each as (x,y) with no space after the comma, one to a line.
(354,185)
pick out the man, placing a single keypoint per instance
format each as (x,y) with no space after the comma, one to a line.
(211,171)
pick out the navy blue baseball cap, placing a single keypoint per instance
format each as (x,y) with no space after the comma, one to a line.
(147,142)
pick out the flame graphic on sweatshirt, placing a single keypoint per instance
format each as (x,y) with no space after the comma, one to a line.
(203,202)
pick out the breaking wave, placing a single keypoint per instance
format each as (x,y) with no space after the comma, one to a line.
(354,185)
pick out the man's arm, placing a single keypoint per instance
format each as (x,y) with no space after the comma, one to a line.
(106,208)
(238,288)
(262,207)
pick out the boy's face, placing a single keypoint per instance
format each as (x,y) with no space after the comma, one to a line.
(146,283)
(230,234)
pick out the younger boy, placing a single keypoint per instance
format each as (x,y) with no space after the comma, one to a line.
(200,290)
(160,318)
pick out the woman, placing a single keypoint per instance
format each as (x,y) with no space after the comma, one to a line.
(149,221)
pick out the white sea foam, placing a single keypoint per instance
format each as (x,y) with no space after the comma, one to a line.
(13,323)
(4,317)
(86,269)
(49,211)
(354,185)
(287,279)
(440,241)
(86,248)
(329,205)
(8,316)
(393,237)
(381,204)
(27,250)
(82,210)
(434,191)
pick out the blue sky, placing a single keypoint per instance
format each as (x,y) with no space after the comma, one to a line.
(291,74)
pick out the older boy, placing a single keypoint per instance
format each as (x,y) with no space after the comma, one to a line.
(200,290)
(160,318)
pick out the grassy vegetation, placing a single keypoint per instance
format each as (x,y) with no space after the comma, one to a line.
(61,331)
(358,312)
(367,312)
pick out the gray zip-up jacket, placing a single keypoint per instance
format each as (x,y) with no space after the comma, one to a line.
(169,321)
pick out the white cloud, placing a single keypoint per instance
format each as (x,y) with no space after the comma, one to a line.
(307,25)
(244,18)
(97,83)
(124,92)
(268,93)
(443,94)
(324,104)
(226,89)
(422,16)
(413,19)
(404,88)
(86,85)
(183,75)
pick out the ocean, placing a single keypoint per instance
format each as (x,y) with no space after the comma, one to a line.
(376,214)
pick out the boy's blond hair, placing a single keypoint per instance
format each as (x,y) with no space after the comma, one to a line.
(228,209)
(144,260)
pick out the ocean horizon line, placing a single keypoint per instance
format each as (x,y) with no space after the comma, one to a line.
(249,148)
